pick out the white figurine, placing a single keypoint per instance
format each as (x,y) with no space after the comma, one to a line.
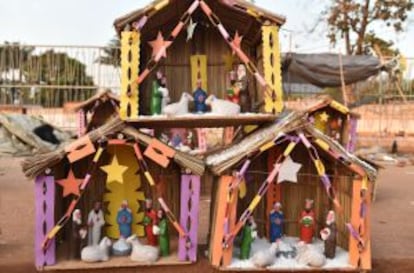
(95,222)
(97,253)
(309,255)
(266,257)
(222,107)
(142,253)
(178,108)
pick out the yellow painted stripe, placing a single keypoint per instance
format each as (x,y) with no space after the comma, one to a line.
(289,148)
(254,203)
(53,232)
(97,155)
(319,167)
(340,107)
(365,183)
(149,178)
(161,4)
(322,144)
(253,13)
(267,146)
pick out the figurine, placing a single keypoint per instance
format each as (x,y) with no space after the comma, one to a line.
(79,232)
(98,252)
(124,220)
(249,233)
(233,92)
(95,222)
(328,235)
(307,222)
(222,107)
(241,87)
(178,108)
(276,222)
(121,247)
(165,93)
(162,231)
(150,220)
(156,95)
(200,97)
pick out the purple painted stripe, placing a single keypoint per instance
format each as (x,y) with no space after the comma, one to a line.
(185,196)
(187,247)
(195,199)
(44,217)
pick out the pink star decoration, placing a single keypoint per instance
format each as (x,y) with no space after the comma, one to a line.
(159,45)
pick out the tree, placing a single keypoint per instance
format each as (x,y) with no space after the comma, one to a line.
(112,53)
(57,69)
(353,20)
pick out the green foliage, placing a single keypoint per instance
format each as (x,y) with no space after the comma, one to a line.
(112,53)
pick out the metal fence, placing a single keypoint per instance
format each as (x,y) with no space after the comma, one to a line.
(51,75)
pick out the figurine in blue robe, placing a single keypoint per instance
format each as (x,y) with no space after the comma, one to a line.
(276,222)
(200,97)
(124,220)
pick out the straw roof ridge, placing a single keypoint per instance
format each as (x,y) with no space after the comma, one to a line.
(326,100)
(121,22)
(100,95)
(294,121)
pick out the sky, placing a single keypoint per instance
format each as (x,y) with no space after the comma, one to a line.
(89,22)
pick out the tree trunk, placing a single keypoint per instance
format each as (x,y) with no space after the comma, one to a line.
(363,29)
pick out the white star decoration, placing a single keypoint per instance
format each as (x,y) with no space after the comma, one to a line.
(190,29)
(289,171)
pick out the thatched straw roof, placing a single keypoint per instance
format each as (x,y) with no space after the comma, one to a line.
(327,101)
(36,165)
(290,124)
(233,14)
(226,159)
(100,96)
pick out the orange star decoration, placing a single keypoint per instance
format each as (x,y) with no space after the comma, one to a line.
(237,41)
(114,171)
(158,45)
(324,117)
(70,184)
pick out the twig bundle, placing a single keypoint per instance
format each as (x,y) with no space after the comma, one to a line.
(36,165)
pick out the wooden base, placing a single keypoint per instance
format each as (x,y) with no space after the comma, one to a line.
(313,270)
(201,121)
(63,264)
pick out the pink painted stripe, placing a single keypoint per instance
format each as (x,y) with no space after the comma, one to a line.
(193,6)
(223,31)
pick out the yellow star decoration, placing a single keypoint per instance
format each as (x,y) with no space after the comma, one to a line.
(114,171)
(324,117)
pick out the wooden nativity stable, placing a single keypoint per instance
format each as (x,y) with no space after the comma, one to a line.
(131,157)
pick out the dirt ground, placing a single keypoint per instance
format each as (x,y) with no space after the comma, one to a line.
(392,233)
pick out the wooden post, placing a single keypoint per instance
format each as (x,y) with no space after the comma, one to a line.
(81,122)
(272,69)
(45,219)
(357,258)
(352,137)
(218,232)
(189,206)
(130,57)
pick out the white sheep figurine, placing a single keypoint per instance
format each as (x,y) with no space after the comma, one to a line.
(309,255)
(97,253)
(265,257)
(222,107)
(142,253)
(178,108)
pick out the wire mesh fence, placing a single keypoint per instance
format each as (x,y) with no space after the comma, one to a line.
(50,75)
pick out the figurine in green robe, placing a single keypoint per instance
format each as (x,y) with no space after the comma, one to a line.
(248,235)
(156,96)
(164,236)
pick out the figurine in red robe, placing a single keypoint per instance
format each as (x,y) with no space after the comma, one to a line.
(307,222)
(150,220)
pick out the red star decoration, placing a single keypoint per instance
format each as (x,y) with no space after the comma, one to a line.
(157,45)
(237,41)
(70,184)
